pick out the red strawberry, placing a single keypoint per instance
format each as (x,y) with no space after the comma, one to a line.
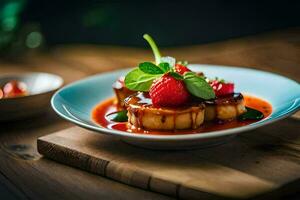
(181,69)
(167,91)
(221,88)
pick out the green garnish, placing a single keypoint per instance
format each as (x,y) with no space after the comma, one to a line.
(150,68)
(153,47)
(141,78)
(137,80)
(120,116)
(198,86)
(176,75)
(165,66)
(251,114)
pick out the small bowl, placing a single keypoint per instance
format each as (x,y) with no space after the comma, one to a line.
(41,86)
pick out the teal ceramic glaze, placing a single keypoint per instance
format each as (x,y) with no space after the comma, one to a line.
(76,101)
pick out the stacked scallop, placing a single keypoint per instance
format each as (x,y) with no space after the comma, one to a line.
(142,114)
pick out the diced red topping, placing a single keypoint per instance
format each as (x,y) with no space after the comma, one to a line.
(14,89)
(181,69)
(168,92)
(221,88)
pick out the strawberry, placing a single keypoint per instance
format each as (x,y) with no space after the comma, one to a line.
(169,92)
(181,69)
(222,88)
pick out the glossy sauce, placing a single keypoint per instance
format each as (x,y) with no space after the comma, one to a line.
(109,106)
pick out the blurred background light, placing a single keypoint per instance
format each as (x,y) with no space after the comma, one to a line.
(34,40)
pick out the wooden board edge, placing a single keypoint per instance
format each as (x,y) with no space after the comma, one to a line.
(117,172)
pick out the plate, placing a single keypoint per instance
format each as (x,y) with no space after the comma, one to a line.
(76,101)
(41,87)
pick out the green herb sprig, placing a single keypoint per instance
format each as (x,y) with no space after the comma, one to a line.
(198,86)
(154,48)
(141,78)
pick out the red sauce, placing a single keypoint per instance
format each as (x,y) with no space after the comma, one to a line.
(108,106)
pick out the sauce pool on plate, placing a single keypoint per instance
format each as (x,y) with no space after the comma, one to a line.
(101,112)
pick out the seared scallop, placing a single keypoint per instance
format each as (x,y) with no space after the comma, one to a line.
(225,108)
(142,114)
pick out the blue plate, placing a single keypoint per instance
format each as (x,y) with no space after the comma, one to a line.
(76,101)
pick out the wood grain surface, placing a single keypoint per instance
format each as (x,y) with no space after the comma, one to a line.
(26,174)
(239,169)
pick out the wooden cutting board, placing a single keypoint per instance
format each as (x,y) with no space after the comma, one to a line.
(259,163)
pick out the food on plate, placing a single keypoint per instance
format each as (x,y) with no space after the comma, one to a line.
(225,107)
(121,91)
(167,97)
(143,114)
(13,89)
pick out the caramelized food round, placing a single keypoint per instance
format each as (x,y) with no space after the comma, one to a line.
(225,107)
(142,114)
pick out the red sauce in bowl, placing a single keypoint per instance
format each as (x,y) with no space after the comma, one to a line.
(109,106)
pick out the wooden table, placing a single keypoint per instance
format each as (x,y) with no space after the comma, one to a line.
(24,174)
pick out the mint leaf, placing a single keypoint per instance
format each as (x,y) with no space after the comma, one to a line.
(251,114)
(198,86)
(176,75)
(153,47)
(164,66)
(150,68)
(137,80)
(120,116)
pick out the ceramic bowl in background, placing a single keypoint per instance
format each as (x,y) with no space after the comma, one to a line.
(40,86)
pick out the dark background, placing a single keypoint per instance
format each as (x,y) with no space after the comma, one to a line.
(171,23)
